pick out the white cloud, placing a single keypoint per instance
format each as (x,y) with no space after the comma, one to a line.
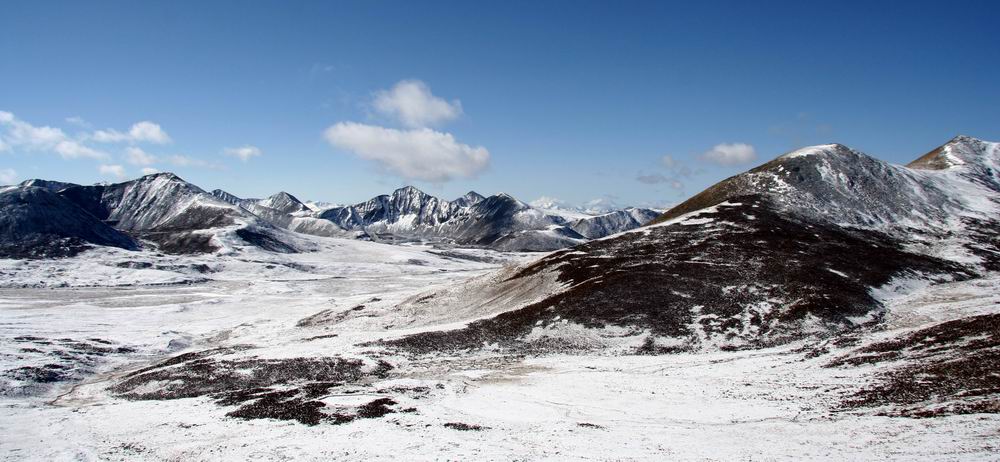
(412,104)
(418,154)
(136,156)
(148,131)
(7,175)
(149,171)
(22,134)
(728,154)
(140,132)
(70,149)
(112,170)
(243,152)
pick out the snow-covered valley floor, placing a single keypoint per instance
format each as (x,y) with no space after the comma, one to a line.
(70,330)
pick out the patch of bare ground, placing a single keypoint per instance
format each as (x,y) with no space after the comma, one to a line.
(285,389)
(946,369)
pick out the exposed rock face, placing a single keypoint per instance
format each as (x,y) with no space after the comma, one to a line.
(158,202)
(36,222)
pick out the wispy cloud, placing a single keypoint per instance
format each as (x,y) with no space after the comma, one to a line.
(417,154)
(244,153)
(412,104)
(23,135)
(676,171)
(149,170)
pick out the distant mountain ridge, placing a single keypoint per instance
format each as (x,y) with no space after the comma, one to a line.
(175,216)
(500,221)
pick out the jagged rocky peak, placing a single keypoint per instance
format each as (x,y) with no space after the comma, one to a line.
(504,197)
(470,198)
(228,197)
(157,202)
(284,202)
(410,198)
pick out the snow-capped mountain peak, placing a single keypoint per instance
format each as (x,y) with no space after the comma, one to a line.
(841,185)
(811,150)
(470,198)
(284,202)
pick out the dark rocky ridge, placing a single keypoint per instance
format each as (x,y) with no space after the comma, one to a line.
(36,222)
(755,282)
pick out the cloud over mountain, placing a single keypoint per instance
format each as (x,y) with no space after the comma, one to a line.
(418,154)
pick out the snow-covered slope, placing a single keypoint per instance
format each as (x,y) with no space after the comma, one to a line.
(800,246)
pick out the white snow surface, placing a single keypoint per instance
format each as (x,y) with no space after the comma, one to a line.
(771,404)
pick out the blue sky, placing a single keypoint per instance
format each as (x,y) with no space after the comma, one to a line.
(340,101)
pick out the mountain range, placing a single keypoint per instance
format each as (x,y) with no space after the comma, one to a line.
(50,218)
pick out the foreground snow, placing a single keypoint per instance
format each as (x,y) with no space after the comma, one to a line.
(779,403)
